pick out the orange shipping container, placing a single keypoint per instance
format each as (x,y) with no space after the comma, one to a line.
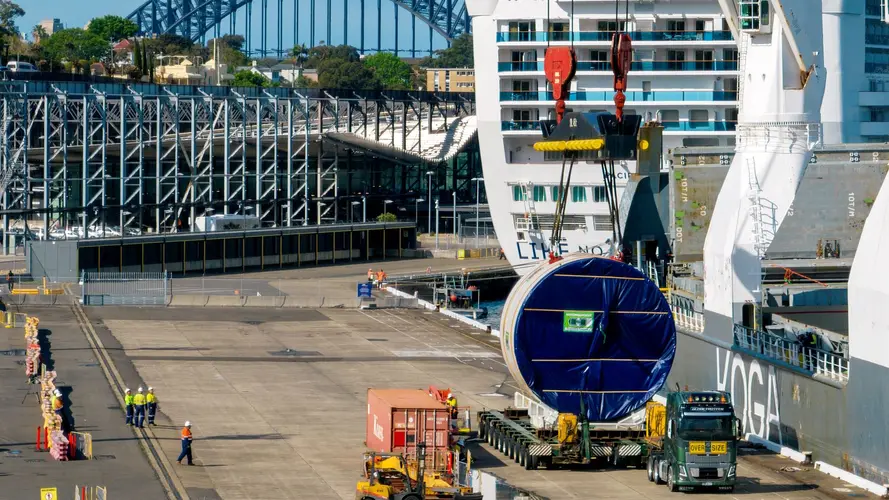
(398,419)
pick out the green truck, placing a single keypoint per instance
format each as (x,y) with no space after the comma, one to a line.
(690,442)
(698,442)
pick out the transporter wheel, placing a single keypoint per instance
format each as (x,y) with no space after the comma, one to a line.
(670,482)
(651,469)
(657,472)
(519,449)
(531,463)
(412,496)
(513,449)
(482,429)
(492,433)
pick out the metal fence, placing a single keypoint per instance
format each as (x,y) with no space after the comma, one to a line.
(116,288)
(90,493)
(817,361)
(83,445)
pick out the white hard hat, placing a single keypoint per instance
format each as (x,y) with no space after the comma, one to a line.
(187,423)
(58,392)
(151,388)
(128,390)
(450,395)
(140,389)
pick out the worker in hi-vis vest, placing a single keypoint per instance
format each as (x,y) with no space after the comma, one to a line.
(186,444)
(128,402)
(151,403)
(139,403)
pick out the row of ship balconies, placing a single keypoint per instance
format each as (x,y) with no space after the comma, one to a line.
(606,36)
(633,97)
(605,66)
(522,127)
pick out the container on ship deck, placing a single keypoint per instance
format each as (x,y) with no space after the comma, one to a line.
(398,419)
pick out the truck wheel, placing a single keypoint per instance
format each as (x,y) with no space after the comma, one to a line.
(523,456)
(482,428)
(531,463)
(657,472)
(670,483)
(650,469)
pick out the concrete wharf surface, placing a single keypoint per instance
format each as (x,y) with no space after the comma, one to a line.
(271,423)
(120,464)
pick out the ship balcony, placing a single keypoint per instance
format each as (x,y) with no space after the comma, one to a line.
(637,66)
(683,127)
(604,37)
(634,97)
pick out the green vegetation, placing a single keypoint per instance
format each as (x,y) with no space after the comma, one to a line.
(391,71)
(77,47)
(458,55)
(386,217)
(9,13)
(247,78)
(113,28)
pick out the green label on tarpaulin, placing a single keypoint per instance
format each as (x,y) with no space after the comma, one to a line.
(577,321)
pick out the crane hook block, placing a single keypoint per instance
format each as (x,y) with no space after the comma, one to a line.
(559,65)
(602,134)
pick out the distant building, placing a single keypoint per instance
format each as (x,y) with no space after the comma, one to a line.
(450,80)
(281,73)
(182,70)
(50,26)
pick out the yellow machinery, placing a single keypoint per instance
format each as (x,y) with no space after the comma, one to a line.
(388,476)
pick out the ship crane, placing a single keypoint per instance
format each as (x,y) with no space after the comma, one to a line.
(610,137)
(780,96)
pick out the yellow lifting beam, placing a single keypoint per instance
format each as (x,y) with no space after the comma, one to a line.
(578,145)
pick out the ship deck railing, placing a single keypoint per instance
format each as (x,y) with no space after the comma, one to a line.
(815,361)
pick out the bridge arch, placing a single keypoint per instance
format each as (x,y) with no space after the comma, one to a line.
(193,19)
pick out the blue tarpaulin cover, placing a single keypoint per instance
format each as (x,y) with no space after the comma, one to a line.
(595,332)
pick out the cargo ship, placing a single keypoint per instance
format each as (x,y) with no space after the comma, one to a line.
(786,359)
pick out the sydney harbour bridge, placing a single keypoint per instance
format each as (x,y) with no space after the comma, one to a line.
(359,23)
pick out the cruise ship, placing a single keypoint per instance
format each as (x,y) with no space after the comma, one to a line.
(684,75)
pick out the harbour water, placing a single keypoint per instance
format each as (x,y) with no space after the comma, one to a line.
(495,307)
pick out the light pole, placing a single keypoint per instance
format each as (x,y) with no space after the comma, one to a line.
(386,206)
(429,198)
(416,210)
(478,183)
(352,209)
(436,223)
(454,194)
(364,209)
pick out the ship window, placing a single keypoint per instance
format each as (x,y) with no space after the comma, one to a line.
(578,194)
(539,193)
(518,194)
(556,193)
(599,195)
(611,25)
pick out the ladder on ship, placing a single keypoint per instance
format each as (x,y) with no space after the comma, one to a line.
(530,208)
(761,241)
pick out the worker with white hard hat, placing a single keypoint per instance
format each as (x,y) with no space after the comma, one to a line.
(186,444)
(139,404)
(128,403)
(151,405)
(452,405)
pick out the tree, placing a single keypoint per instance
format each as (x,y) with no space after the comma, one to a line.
(458,55)
(170,45)
(9,12)
(304,83)
(386,217)
(321,53)
(391,71)
(76,46)
(247,78)
(112,28)
(39,33)
(300,54)
(345,74)
(229,50)
(138,61)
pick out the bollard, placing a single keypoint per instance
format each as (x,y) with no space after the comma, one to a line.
(38,438)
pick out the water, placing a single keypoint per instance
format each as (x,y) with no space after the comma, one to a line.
(495,308)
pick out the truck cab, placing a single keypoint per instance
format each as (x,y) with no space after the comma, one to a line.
(700,442)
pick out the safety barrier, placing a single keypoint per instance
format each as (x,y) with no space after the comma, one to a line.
(90,493)
(83,444)
(477,253)
(794,353)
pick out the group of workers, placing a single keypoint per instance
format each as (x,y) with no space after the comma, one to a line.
(140,404)
(377,278)
(137,404)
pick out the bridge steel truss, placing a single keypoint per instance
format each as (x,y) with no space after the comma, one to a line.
(145,157)
(194,19)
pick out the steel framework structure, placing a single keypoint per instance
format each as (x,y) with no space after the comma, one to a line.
(148,156)
(193,19)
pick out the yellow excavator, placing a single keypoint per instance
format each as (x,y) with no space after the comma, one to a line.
(388,476)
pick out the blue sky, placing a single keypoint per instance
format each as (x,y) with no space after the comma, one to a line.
(76,13)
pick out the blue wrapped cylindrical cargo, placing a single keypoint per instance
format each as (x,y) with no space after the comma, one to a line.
(589,336)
